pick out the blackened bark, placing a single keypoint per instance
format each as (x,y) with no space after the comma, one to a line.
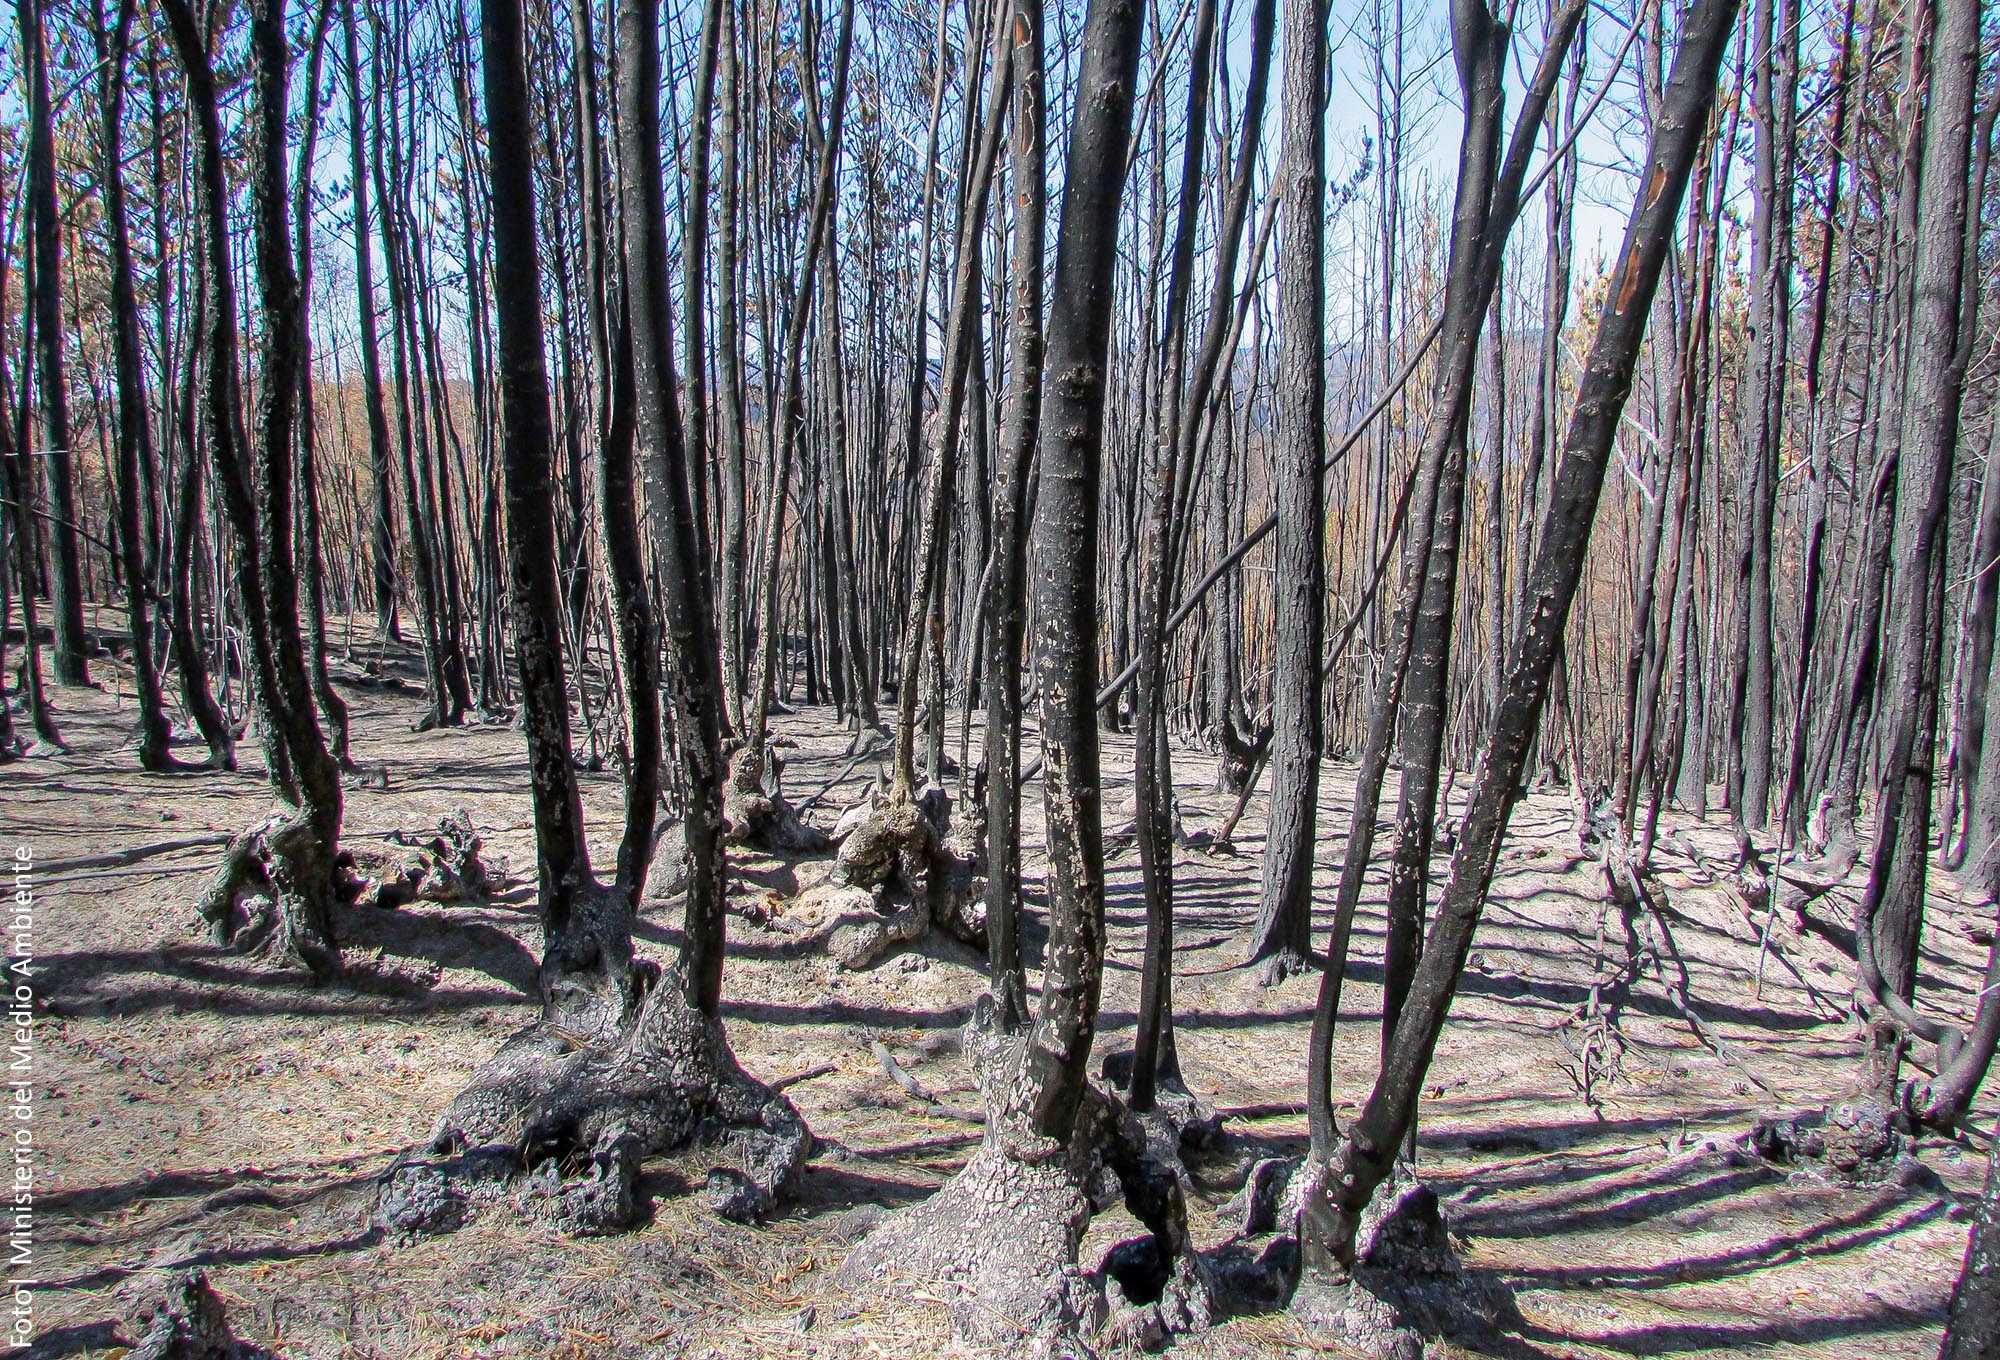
(69,656)
(1009,1224)
(729,374)
(747,773)
(1749,745)
(924,619)
(1282,940)
(694,293)
(1437,482)
(1065,529)
(664,474)
(135,441)
(312,560)
(294,854)
(1889,919)
(1331,1216)
(1480,44)
(1004,629)
(527,448)
(382,543)
(16,484)
(1973,1330)
(197,694)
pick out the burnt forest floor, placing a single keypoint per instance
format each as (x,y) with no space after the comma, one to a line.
(198,1108)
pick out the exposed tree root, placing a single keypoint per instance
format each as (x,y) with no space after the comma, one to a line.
(443,866)
(1854,1142)
(273,894)
(898,873)
(560,1119)
(759,816)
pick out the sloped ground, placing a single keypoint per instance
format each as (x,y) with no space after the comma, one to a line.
(199,1109)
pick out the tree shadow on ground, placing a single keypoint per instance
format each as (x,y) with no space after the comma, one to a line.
(1673,1338)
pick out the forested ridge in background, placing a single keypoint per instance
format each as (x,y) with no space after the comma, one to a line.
(1591,397)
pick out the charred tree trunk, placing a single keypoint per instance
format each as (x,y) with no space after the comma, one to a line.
(1008,620)
(382,544)
(292,855)
(72,647)
(1890,917)
(1282,942)
(1365,1156)
(135,443)
(312,557)
(664,472)
(1009,1224)
(622,1063)
(1973,1330)
(752,809)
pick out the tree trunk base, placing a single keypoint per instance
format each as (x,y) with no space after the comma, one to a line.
(1856,1142)
(761,818)
(1279,967)
(1179,1120)
(1407,1284)
(1002,1236)
(272,895)
(560,1119)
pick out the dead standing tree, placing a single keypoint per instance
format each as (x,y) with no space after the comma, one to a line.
(1281,943)
(1490,194)
(382,538)
(1889,919)
(1155,1062)
(1004,1232)
(1007,621)
(135,441)
(622,1061)
(1342,1186)
(754,813)
(70,656)
(288,861)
